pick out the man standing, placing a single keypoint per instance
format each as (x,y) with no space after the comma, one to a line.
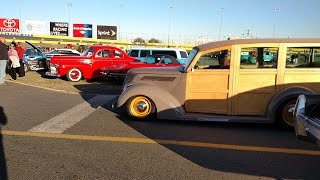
(3,59)
(20,51)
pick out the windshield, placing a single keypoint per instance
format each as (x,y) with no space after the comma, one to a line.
(192,54)
(88,52)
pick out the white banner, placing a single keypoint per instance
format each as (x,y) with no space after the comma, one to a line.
(35,27)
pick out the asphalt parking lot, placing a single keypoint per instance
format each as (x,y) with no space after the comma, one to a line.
(38,79)
(68,130)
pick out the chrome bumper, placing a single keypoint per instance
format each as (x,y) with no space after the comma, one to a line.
(53,72)
(306,128)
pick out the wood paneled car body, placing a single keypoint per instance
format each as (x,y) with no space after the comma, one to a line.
(87,65)
(214,85)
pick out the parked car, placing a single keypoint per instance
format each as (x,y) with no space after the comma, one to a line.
(142,52)
(231,92)
(89,64)
(307,118)
(61,52)
(35,58)
(118,72)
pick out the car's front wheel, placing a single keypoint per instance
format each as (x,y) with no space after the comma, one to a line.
(74,75)
(140,107)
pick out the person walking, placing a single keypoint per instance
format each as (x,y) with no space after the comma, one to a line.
(21,51)
(14,58)
(3,59)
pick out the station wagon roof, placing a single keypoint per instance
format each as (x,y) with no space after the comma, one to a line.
(216,44)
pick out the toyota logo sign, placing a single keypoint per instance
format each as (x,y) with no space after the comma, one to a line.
(9,25)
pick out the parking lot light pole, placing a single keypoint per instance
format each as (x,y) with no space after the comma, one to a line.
(221,11)
(170,9)
(121,12)
(276,11)
(20,14)
(69,6)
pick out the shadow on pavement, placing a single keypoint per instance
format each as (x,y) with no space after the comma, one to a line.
(266,164)
(3,166)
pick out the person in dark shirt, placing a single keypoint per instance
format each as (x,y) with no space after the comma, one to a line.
(3,60)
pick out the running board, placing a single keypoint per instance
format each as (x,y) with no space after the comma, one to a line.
(223,118)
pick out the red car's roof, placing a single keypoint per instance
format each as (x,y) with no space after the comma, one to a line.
(103,46)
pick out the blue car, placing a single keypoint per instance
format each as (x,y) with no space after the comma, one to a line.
(34,58)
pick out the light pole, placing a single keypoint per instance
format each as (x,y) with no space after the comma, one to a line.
(276,11)
(221,11)
(20,14)
(170,9)
(121,7)
(69,6)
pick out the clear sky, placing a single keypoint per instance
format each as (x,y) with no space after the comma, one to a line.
(188,18)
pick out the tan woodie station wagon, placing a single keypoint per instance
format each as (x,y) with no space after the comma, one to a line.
(244,80)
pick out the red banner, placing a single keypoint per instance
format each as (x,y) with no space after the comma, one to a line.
(82,30)
(9,25)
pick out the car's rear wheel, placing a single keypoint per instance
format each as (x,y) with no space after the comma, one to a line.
(140,107)
(285,114)
(74,75)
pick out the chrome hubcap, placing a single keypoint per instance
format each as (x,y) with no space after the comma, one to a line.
(141,106)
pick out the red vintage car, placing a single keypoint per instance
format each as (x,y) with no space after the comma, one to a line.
(119,71)
(87,65)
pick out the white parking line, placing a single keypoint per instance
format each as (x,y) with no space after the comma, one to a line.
(67,119)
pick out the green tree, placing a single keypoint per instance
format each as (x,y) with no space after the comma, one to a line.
(139,40)
(153,40)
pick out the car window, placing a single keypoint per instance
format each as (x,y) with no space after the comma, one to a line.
(303,58)
(117,54)
(144,53)
(214,60)
(88,52)
(103,54)
(150,60)
(262,57)
(183,54)
(171,53)
(134,53)
(167,60)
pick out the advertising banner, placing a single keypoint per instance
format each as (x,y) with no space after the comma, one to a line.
(9,25)
(35,27)
(59,28)
(107,32)
(82,30)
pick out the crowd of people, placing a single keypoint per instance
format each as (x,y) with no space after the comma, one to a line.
(11,58)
